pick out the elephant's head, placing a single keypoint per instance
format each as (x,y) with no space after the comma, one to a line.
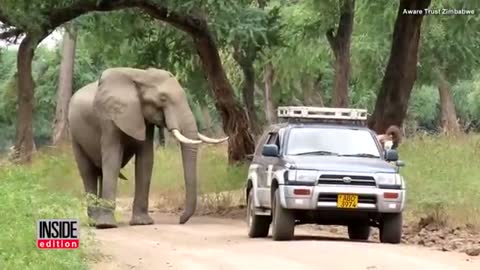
(133,97)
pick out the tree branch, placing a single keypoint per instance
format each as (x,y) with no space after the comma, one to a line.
(196,26)
(11,33)
(60,16)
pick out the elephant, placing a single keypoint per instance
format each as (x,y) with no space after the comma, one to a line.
(113,119)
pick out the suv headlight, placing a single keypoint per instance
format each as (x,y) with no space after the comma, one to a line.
(303,175)
(389,179)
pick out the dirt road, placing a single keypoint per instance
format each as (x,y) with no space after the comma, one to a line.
(213,243)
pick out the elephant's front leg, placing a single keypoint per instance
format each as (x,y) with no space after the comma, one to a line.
(143,175)
(112,155)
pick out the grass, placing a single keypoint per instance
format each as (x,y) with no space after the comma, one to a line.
(443,178)
(23,200)
(214,175)
(442,174)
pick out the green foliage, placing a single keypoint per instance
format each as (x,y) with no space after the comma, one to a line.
(425,106)
(449,44)
(466,94)
(8,97)
(23,200)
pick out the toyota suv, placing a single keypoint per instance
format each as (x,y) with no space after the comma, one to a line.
(324,166)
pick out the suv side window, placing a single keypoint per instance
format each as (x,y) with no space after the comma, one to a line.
(274,138)
(261,142)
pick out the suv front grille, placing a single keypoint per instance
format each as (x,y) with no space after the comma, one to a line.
(354,180)
(361,198)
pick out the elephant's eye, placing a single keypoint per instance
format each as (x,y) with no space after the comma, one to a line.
(163,99)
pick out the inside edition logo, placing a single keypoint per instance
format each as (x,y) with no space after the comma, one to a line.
(57,233)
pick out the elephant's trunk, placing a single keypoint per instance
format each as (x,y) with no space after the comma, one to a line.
(189,158)
(182,118)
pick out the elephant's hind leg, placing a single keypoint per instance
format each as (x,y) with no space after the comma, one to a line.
(89,174)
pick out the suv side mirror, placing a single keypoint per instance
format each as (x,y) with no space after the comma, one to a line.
(391,155)
(400,163)
(270,150)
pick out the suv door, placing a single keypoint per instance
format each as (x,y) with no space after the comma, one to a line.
(265,171)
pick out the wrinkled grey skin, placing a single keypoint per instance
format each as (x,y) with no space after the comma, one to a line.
(112,120)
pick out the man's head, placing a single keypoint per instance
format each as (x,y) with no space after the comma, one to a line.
(391,138)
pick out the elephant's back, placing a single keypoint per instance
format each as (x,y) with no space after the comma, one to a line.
(81,102)
(84,124)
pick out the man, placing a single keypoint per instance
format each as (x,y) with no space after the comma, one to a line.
(391,138)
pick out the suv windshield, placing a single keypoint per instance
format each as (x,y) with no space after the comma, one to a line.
(331,141)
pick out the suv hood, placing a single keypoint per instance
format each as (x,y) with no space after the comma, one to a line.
(346,164)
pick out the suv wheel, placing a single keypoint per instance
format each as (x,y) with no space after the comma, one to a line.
(359,232)
(391,228)
(258,226)
(283,220)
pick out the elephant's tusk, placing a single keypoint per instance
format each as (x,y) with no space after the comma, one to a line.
(210,140)
(184,139)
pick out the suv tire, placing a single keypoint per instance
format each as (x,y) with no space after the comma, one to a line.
(258,226)
(391,228)
(283,220)
(359,232)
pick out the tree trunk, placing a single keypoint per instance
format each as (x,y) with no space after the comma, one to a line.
(208,121)
(340,45)
(65,87)
(245,61)
(401,72)
(449,122)
(234,118)
(24,143)
(269,104)
(312,94)
(249,97)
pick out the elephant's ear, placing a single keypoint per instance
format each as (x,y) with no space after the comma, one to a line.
(117,100)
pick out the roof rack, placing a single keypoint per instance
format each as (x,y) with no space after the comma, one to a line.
(322,114)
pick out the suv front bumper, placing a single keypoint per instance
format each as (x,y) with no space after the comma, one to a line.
(320,197)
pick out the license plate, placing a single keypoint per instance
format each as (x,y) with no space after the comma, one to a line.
(347,201)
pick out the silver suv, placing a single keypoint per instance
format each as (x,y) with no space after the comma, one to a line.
(324,166)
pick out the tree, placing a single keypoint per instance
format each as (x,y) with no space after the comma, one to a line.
(340,45)
(246,50)
(448,54)
(269,103)
(449,121)
(53,14)
(400,75)
(24,143)
(65,87)
(19,21)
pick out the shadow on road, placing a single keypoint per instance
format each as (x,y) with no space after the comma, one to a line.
(307,237)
